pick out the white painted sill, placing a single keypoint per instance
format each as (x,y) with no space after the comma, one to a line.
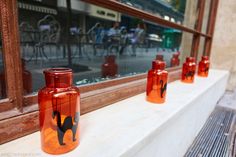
(135,127)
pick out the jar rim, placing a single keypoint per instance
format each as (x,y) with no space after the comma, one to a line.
(158,64)
(57,71)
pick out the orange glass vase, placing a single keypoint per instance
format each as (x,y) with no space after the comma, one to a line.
(59,111)
(27,79)
(203,66)
(157,82)
(188,71)
(175,60)
(109,68)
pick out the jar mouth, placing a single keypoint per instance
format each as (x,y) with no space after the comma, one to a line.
(58,77)
(205,58)
(57,71)
(110,58)
(175,55)
(158,65)
(190,59)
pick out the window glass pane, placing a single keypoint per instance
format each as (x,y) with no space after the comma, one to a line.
(186,46)
(178,11)
(206,16)
(97,43)
(201,48)
(3,93)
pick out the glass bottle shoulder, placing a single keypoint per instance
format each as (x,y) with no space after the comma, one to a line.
(48,91)
(189,64)
(157,72)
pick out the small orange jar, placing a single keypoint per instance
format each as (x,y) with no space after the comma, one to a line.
(188,70)
(203,66)
(109,68)
(175,60)
(157,82)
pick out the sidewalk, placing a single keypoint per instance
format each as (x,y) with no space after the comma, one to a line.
(218,135)
(228,100)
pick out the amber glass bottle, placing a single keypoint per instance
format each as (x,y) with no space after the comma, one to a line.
(175,60)
(59,111)
(159,57)
(188,71)
(27,79)
(157,82)
(203,66)
(109,68)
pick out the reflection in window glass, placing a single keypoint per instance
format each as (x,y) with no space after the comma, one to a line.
(3,93)
(178,11)
(97,43)
(185,46)
(201,49)
(206,15)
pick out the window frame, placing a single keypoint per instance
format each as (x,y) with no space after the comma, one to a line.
(11,56)
(18,111)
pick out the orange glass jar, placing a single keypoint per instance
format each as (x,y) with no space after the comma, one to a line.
(188,71)
(203,66)
(175,60)
(109,68)
(59,111)
(27,79)
(157,82)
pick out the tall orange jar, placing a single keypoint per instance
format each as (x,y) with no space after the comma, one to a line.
(59,112)
(109,68)
(157,83)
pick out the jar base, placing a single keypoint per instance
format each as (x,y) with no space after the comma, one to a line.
(187,81)
(155,101)
(59,152)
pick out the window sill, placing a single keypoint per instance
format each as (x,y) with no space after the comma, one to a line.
(135,127)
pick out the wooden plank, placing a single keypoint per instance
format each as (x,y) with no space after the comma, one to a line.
(18,126)
(5,105)
(11,52)
(211,26)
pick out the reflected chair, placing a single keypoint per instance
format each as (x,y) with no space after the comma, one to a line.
(50,31)
(81,41)
(27,40)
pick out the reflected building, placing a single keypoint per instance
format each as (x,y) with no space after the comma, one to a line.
(160,8)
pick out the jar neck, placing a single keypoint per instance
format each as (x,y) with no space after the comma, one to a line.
(158,65)
(190,59)
(205,58)
(159,57)
(175,56)
(110,59)
(58,77)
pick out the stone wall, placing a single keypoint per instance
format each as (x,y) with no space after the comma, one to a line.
(223,53)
